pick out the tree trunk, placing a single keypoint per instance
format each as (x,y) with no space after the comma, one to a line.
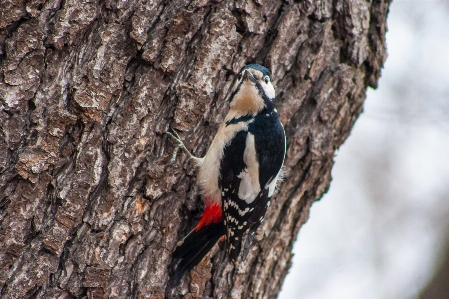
(90,204)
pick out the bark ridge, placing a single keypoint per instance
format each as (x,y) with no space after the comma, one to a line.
(90,205)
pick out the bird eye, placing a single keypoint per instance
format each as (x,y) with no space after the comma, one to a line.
(239,76)
(267,79)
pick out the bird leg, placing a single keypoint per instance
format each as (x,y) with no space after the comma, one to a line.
(180,145)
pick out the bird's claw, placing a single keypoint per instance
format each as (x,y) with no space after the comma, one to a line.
(179,144)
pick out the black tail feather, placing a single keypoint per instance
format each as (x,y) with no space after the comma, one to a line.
(194,247)
(248,241)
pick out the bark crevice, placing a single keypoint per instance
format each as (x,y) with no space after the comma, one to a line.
(89,203)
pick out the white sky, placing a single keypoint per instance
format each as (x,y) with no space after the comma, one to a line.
(380,229)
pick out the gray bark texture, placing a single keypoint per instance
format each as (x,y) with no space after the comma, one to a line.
(90,205)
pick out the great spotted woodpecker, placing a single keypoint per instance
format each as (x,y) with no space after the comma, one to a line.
(239,173)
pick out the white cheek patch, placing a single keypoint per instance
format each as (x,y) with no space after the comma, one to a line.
(269,90)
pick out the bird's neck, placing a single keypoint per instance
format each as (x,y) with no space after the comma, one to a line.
(246,101)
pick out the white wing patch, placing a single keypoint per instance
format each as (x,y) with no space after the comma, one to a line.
(272,183)
(246,191)
(271,186)
(249,184)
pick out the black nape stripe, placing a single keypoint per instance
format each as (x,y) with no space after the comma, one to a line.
(237,89)
(240,119)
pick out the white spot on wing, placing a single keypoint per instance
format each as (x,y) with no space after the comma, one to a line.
(236,207)
(271,185)
(249,184)
(246,191)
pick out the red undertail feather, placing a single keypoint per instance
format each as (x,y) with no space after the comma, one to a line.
(191,250)
(212,214)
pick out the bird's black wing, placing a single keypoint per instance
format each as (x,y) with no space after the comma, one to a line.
(269,141)
(238,214)
(269,138)
(236,211)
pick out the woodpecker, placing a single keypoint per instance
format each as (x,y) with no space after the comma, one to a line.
(239,172)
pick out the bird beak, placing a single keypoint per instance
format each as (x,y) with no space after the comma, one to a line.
(247,75)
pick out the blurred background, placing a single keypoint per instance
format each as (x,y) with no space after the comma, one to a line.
(382,230)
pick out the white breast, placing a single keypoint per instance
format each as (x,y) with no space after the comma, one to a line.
(209,170)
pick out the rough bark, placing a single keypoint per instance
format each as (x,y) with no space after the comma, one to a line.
(89,203)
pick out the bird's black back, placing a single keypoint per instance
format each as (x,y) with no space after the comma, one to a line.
(238,215)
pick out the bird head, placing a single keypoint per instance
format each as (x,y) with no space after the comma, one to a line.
(254,90)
